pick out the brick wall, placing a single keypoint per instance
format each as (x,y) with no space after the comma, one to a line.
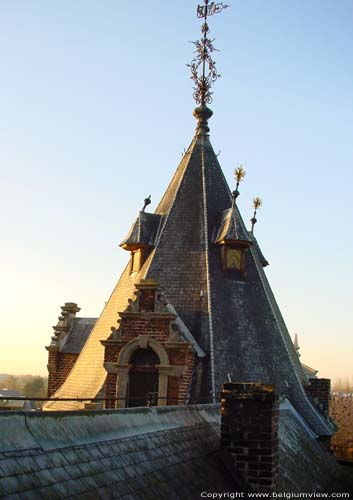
(59,366)
(341,410)
(145,318)
(249,432)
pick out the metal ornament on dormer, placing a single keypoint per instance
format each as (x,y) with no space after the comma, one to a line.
(202,77)
(257,202)
(239,174)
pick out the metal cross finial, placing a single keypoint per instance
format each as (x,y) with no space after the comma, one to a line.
(257,202)
(204,48)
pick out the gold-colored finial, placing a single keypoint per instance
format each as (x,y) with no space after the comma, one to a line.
(257,202)
(239,174)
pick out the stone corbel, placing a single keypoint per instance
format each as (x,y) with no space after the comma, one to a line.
(110,367)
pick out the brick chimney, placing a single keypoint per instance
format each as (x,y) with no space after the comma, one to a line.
(249,432)
(320,389)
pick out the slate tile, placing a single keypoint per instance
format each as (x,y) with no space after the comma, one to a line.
(94,452)
(58,459)
(83,454)
(127,459)
(49,493)
(74,486)
(96,466)
(11,467)
(11,484)
(44,461)
(71,456)
(60,474)
(87,495)
(123,488)
(100,479)
(30,495)
(45,477)
(117,461)
(105,493)
(89,483)
(130,471)
(74,471)
(15,496)
(29,481)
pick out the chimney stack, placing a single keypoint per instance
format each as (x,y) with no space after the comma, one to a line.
(249,432)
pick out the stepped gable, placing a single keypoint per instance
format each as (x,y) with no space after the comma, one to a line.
(88,374)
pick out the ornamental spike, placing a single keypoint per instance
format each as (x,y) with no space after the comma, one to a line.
(257,202)
(239,174)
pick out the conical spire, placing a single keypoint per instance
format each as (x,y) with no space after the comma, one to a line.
(235,319)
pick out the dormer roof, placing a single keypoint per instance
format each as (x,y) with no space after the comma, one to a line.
(229,229)
(143,231)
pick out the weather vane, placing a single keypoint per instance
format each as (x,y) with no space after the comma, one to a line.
(202,78)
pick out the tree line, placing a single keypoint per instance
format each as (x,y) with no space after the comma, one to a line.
(30,386)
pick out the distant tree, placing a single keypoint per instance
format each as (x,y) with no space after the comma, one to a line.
(35,387)
(343,385)
(10,382)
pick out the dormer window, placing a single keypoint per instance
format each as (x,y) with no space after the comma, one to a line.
(141,239)
(233,241)
(234,259)
(233,256)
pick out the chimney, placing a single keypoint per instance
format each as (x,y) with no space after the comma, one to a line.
(320,389)
(249,432)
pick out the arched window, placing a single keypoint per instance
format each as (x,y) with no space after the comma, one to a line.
(143,378)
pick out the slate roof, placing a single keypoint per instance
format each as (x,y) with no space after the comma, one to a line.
(227,227)
(78,334)
(238,323)
(18,404)
(309,372)
(9,393)
(143,231)
(145,453)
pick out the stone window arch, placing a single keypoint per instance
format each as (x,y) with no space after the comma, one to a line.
(124,364)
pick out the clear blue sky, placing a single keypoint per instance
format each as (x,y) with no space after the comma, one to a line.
(96,106)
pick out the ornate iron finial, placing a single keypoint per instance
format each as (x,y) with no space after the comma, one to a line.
(239,174)
(204,48)
(147,201)
(257,202)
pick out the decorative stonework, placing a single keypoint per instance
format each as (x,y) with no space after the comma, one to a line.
(147,323)
(60,364)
